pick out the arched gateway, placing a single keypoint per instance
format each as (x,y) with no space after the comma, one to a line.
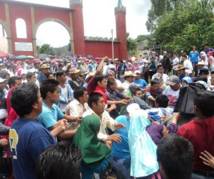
(32,15)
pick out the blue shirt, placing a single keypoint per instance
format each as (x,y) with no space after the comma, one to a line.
(121,150)
(194,56)
(141,83)
(49,116)
(28,139)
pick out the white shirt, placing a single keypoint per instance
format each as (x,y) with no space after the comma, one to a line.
(66,95)
(106,122)
(172,95)
(164,77)
(75,108)
(125,86)
(188,66)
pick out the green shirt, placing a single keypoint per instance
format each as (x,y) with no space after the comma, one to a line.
(92,149)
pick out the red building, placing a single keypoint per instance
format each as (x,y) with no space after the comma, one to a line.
(33,15)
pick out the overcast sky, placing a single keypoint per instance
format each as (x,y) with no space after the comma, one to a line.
(99,17)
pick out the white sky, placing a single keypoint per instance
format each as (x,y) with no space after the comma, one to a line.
(99,19)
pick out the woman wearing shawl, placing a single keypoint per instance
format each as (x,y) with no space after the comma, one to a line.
(142,148)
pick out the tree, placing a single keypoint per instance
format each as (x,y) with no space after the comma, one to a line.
(132,46)
(183,27)
(46,49)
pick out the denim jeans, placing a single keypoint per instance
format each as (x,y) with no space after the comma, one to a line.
(122,167)
(89,170)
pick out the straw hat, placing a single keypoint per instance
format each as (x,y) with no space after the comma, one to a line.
(74,71)
(44,66)
(129,74)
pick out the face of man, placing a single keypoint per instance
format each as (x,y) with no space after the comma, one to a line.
(98,107)
(175,87)
(103,83)
(18,83)
(85,96)
(62,78)
(46,71)
(160,70)
(54,96)
(33,78)
(38,105)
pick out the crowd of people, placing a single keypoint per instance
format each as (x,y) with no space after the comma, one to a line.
(149,117)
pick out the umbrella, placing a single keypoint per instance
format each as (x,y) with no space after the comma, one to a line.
(23,57)
(3,54)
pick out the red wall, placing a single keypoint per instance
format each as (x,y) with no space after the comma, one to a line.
(101,48)
(2,12)
(20,11)
(42,13)
(78,30)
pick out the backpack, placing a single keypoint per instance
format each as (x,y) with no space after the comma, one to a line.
(187,95)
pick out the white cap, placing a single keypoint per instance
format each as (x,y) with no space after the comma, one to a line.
(2,80)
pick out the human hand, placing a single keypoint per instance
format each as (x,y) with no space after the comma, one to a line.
(207,159)
(108,143)
(124,101)
(62,124)
(3,142)
(165,131)
(119,125)
(114,138)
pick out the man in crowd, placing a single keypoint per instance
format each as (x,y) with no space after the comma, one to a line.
(175,155)
(194,58)
(51,116)
(200,132)
(27,137)
(44,72)
(160,74)
(66,93)
(67,165)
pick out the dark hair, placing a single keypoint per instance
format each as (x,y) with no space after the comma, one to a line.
(12,80)
(159,65)
(175,154)
(134,89)
(155,81)
(111,81)
(29,75)
(162,101)
(48,86)
(59,73)
(79,93)
(59,161)
(99,78)
(4,74)
(23,99)
(205,103)
(93,98)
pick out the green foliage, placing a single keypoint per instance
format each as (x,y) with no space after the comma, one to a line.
(132,46)
(46,49)
(60,51)
(185,26)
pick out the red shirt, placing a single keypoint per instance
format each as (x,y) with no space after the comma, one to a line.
(201,134)
(103,92)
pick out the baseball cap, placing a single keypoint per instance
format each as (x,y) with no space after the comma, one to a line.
(173,80)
